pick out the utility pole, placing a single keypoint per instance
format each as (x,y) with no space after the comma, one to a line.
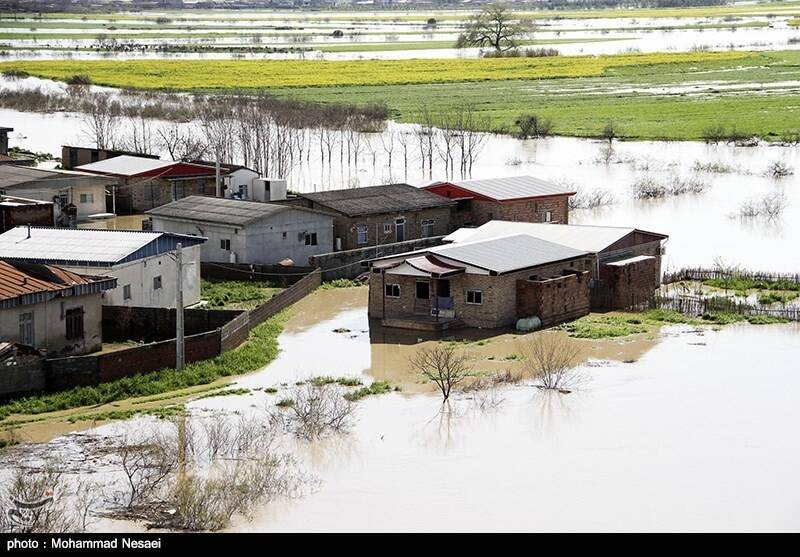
(179,352)
(217,175)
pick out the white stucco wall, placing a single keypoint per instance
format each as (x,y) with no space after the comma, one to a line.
(46,193)
(265,242)
(140,276)
(50,327)
(238,178)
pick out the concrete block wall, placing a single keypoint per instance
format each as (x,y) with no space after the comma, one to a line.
(629,285)
(554,300)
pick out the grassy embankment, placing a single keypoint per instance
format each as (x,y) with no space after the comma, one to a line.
(259,350)
(579,93)
(621,324)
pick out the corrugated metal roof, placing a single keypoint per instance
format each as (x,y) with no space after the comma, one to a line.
(86,246)
(219,211)
(13,175)
(514,187)
(589,238)
(391,198)
(20,280)
(507,253)
(125,165)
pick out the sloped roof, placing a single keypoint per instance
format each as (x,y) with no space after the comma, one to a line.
(216,210)
(13,175)
(583,237)
(125,165)
(23,283)
(507,253)
(372,200)
(514,187)
(86,246)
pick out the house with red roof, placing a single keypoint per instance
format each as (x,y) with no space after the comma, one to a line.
(518,198)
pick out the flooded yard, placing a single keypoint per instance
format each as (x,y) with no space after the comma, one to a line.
(685,429)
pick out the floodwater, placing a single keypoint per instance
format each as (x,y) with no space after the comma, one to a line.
(252,30)
(692,430)
(702,227)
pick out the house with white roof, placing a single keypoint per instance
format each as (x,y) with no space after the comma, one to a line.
(485,283)
(145,183)
(516,198)
(144,263)
(72,193)
(627,264)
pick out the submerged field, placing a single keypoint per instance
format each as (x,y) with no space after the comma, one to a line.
(648,96)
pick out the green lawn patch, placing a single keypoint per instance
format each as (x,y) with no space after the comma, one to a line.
(260,349)
(234,294)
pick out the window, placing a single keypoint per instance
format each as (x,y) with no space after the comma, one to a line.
(178,190)
(548,216)
(311,238)
(26,328)
(392,290)
(157,283)
(126,292)
(225,244)
(387,228)
(284,235)
(243,191)
(87,198)
(152,192)
(74,319)
(427,228)
(361,232)
(474,297)
(423,290)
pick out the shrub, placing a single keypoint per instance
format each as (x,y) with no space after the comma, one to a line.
(779,169)
(79,79)
(533,125)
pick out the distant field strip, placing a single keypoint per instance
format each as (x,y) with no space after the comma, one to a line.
(190,75)
(741,9)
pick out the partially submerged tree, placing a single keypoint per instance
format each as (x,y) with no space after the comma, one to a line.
(550,358)
(443,366)
(496,27)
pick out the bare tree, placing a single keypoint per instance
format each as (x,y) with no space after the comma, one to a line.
(146,465)
(316,410)
(180,142)
(388,142)
(101,121)
(550,358)
(496,27)
(404,139)
(443,366)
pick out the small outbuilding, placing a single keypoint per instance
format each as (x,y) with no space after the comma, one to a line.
(248,231)
(50,308)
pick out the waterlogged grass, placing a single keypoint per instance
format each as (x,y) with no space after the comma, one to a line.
(374,388)
(740,284)
(162,412)
(621,324)
(233,294)
(260,349)
(768,298)
(322,380)
(205,75)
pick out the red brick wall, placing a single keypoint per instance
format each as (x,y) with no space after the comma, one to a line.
(554,300)
(346,227)
(629,285)
(529,210)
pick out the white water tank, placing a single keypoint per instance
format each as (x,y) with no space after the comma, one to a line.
(269,189)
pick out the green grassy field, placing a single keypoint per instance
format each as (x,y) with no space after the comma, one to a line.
(645,95)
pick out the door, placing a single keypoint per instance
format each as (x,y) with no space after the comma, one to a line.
(400,230)
(26,329)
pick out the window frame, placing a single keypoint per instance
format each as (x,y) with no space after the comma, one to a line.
(73,322)
(225,244)
(393,286)
(417,284)
(427,223)
(311,238)
(362,228)
(126,292)
(473,291)
(158,283)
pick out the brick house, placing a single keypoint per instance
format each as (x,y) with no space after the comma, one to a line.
(377,215)
(488,284)
(519,198)
(627,267)
(145,183)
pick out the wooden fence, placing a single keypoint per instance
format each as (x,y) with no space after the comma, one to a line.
(695,305)
(699,273)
